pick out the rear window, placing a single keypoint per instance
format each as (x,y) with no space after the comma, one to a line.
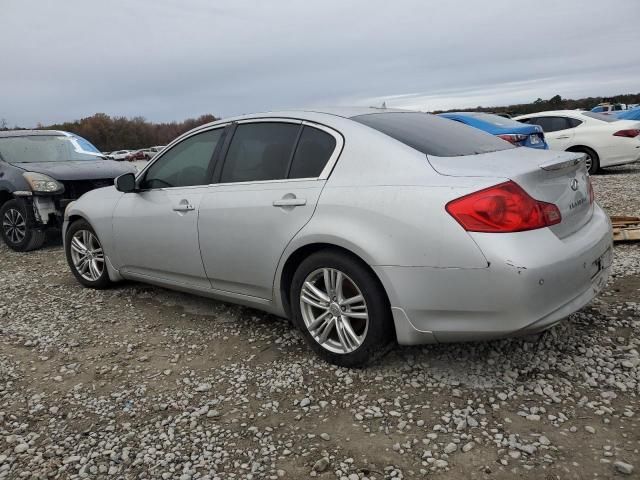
(433,135)
(493,119)
(599,116)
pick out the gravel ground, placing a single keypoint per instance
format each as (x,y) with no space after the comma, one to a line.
(140,382)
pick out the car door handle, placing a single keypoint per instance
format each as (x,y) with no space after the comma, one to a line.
(184,206)
(290,202)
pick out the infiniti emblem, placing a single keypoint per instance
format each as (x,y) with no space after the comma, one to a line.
(574,184)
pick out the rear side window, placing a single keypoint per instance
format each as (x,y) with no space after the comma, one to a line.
(260,151)
(186,164)
(551,124)
(312,153)
(433,135)
(573,122)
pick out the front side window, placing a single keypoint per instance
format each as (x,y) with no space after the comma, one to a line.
(186,164)
(260,151)
(312,153)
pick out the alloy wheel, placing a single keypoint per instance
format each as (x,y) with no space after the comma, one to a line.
(14,225)
(87,255)
(334,310)
(588,161)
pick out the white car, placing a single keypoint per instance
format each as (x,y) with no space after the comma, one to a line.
(605,140)
(120,154)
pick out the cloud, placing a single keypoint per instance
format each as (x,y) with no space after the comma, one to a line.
(170,59)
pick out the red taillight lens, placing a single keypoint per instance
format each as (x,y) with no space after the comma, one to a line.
(502,208)
(513,138)
(592,195)
(629,133)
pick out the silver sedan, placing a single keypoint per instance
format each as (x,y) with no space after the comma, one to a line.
(366,227)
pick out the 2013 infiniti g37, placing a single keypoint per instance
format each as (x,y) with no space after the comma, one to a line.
(366,227)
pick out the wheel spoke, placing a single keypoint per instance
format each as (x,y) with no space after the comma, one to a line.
(350,333)
(312,302)
(318,322)
(350,301)
(338,285)
(342,337)
(349,314)
(313,292)
(324,335)
(78,246)
(328,280)
(93,268)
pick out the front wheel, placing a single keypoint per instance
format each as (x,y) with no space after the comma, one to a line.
(341,309)
(18,230)
(85,256)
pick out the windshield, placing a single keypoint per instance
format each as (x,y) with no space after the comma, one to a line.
(600,116)
(47,148)
(433,135)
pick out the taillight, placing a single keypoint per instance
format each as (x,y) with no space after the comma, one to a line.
(592,195)
(502,208)
(629,133)
(513,138)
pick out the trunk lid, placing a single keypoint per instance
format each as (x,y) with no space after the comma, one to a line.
(560,178)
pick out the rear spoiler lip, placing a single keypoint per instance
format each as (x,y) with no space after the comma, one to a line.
(555,165)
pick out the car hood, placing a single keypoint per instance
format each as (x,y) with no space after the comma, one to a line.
(78,170)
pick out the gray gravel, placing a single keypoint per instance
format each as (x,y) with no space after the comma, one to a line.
(140,382)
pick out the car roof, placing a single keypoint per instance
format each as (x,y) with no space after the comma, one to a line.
(33,133)
(551,113)
(311,114)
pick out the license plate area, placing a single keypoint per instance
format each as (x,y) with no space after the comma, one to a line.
(601,263)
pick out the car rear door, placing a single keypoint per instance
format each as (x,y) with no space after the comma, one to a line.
(264,192)
(156,228)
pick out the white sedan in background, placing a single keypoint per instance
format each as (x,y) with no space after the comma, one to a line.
(120,154)
(604,140)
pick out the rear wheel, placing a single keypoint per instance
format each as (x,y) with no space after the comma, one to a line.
(593,161)
(18,230)
(85,256)
(341,309)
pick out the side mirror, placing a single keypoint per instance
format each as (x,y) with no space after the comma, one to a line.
(126,183)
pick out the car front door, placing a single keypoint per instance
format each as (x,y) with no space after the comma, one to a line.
(558,131)
(264,192)
(156,227)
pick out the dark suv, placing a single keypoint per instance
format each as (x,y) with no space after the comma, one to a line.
(41,171)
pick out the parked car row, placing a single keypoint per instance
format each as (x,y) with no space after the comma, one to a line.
(604,140)
(131,155)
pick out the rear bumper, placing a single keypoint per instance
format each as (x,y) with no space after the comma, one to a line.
(534,280)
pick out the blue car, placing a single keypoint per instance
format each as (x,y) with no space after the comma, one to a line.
(519,134)
(633,114)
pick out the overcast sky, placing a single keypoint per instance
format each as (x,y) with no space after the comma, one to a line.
(172,59)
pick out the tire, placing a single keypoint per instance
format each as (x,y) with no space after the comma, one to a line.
(593,156)
(349,341)
(85,256)
(18,231)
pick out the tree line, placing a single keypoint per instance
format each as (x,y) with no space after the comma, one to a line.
(118,133)
(554,103)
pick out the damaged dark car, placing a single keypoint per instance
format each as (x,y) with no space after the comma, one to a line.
(41,172)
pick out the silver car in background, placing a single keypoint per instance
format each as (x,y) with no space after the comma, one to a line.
(366,227)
